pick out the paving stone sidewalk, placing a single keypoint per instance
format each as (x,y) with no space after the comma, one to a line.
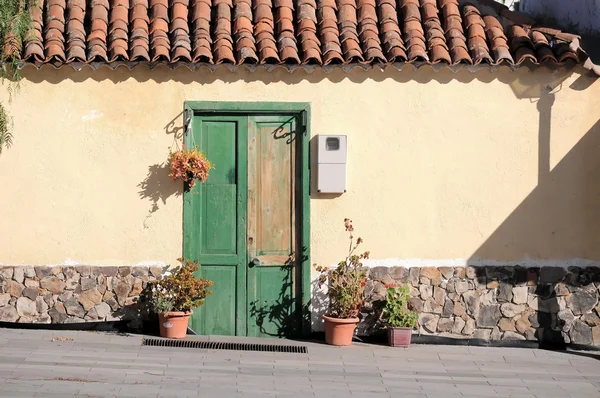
(37,363)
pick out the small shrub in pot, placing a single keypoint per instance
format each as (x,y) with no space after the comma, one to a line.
(397,317)
(346,286)
(175,296)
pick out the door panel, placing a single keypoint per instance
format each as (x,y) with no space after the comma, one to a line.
(245,211)
(215,213)
(271,237)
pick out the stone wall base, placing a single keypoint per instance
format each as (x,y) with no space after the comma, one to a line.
(548,304)
(72,294)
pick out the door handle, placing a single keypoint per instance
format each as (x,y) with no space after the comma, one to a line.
(255,261)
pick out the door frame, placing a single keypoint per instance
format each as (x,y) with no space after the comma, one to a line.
(302,111)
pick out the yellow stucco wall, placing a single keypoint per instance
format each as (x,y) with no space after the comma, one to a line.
(442,166)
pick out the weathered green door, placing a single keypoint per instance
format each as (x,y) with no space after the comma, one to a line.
(271,226)
(240,225)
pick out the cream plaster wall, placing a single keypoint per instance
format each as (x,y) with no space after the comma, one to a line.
(441,165)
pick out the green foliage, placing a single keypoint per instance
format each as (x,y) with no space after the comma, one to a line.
(180,290)
(5,129)
(15,26)
(396,313)
(346,281)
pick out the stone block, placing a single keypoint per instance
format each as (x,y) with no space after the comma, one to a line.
(19,274)
(488,316)
(461,286)
(447,272)
(26,307)
(512,336)
(507,325)
(41,305)
(31,292)
(448,309)
(429,322)
(124,271)
(43,272)
(458,325)
(596,335)
(73,308)
(375,273)
(14,288)
(459,309)
(552,275)
(4,299)
(519,294)
(472,301)
(31,282)
(432,306)
(522,324)
(505,294)
(496,334)
(469,328)
(439,295)
(426,291)
(8,314)
(510,310)
(445,325)
(581,333)
(591,319)
(89,298)
(6,273)
(156,271)
(52,284)
(416,304)
(103,310)
(583,301)
(483,334)
(88,282)
(413,276)
(566,319)
(433,274)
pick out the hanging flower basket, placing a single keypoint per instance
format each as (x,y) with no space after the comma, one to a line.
(189,165)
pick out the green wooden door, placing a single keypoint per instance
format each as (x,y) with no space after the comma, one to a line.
(215,223)
(240,225)
(271,226)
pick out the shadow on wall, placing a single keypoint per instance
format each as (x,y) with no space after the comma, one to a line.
(558,222)
(157,187)
(204,75)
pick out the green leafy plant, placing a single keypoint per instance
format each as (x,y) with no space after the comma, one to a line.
(180,290)
(189,165)
(346,282)
(15,27)
(396,313)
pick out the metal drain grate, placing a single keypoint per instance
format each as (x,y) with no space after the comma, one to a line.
(215,345)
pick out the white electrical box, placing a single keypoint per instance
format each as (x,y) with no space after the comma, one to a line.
(332,155)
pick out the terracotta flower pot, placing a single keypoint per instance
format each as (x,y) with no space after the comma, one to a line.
(399,337)
(173,325)
(339,331)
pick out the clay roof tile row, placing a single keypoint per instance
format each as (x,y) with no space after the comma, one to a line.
(320,32)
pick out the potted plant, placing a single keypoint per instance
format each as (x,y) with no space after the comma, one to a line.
(189,165)
(398,318)
(175,295)
(346,286)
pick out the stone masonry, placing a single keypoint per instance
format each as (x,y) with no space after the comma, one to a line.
(551,304)
(72,294)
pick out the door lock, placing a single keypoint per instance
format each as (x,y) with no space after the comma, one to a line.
(255,261)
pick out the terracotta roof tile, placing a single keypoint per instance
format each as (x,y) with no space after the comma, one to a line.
(322,32)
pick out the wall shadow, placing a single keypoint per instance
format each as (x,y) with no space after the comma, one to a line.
(557,225)
(206,74)
(157,187)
